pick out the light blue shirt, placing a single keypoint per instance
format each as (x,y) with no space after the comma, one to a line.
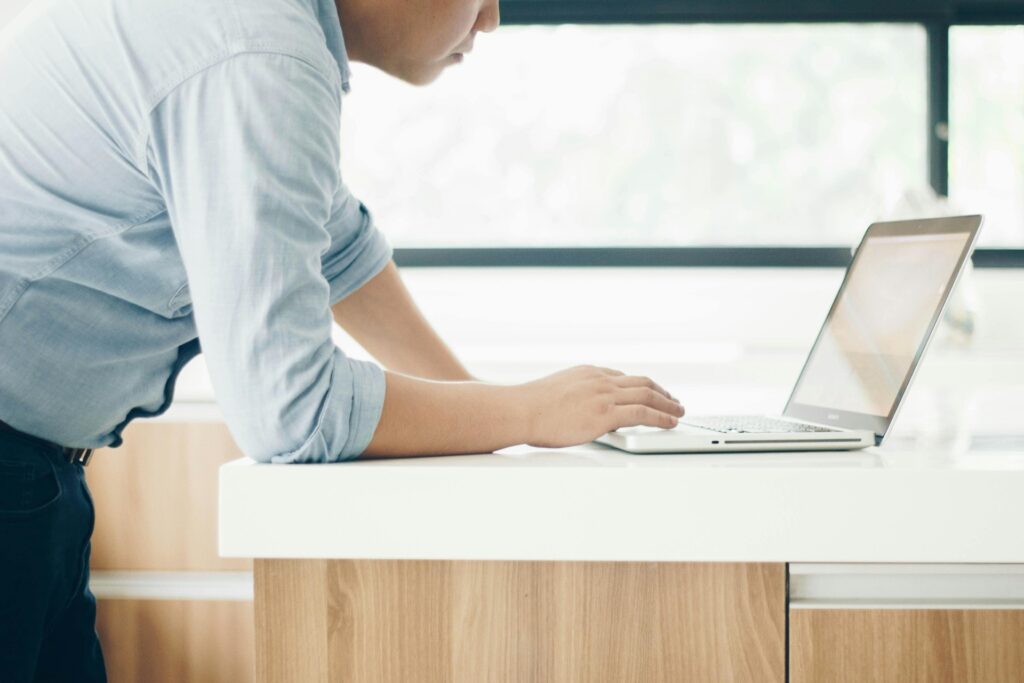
(168,179)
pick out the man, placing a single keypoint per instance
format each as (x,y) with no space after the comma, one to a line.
(168,180)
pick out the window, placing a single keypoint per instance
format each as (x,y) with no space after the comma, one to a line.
(658,135)
(986,147)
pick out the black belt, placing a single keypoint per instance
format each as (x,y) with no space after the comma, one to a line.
(73,455)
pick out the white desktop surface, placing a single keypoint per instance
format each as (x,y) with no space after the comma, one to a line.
(918,500)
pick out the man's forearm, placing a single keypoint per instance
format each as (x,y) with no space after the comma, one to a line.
(382,316)
(573,406)
(424,417)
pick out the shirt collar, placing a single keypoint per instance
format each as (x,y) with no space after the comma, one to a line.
(327,15)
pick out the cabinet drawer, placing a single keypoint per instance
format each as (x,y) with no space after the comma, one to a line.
(907,646)
(906,623)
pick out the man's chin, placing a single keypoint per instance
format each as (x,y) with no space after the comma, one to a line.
(420,75)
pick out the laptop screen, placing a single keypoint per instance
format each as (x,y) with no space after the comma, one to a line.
(880,322)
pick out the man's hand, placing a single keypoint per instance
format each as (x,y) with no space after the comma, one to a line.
(574,406)
(582,403)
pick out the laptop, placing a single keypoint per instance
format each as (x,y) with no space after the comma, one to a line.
(861,365)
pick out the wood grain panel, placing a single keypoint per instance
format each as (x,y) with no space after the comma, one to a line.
(527,621)
(162,641)
(156,498)
(292,624)
(907,646)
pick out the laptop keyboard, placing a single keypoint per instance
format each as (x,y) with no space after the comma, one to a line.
(751,424)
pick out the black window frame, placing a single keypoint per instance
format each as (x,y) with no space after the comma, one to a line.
(936,16)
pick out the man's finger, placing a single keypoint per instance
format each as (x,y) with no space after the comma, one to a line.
(635,381)
(639,415)
(648,397)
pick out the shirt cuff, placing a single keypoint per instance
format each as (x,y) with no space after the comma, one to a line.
(357,264)
(348,417)
(368,389)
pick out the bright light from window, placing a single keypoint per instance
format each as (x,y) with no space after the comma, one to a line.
(645,135)
(986,147)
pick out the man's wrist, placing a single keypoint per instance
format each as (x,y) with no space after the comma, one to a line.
(502,411)
(519,407)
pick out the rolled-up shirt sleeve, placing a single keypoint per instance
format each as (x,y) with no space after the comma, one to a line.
(246,156)
(358,250)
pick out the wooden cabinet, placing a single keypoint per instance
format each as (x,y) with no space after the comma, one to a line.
(906,623)
(177,641)
(156,498)
(906,646)
(466,622)
(376,621)
(156,512)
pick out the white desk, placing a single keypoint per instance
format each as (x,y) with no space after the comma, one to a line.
(929,502)
(589,564)
(639,553)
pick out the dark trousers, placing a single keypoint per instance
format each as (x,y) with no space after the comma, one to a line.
(47,614)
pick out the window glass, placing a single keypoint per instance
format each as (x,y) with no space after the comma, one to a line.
(645,135)
(986,127)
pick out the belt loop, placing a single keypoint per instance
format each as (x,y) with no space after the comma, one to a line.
(79,455)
